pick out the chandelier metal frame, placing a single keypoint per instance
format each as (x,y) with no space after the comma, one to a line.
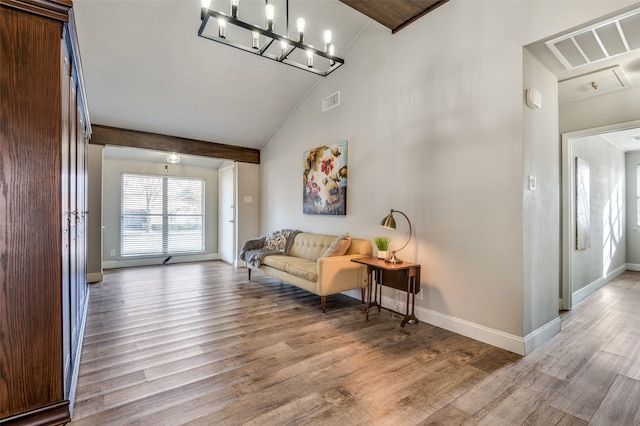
(284,57)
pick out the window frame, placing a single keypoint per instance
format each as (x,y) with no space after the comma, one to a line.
(165,217)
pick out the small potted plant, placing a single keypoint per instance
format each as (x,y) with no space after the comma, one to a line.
(382,243)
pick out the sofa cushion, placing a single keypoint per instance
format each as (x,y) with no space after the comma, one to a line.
(303,268)
(339,246)
(310,246)
(278,261)
(276,240)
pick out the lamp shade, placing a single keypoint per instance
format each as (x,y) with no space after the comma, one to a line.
(388,222)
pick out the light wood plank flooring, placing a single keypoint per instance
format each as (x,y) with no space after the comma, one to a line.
(200,344)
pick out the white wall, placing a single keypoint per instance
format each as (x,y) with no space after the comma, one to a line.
(112,178)
(541,206)
(632,160)
(94,221)
(608,212)
(612,108)
(434,120)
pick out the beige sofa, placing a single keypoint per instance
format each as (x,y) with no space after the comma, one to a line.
(306,265)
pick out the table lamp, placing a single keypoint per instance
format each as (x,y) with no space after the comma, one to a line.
(390,223)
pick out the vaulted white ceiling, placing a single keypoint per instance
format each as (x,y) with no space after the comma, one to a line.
(146,69)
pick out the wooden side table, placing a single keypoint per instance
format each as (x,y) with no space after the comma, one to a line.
(403,276)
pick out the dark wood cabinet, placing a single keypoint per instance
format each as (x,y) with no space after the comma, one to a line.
(44,129)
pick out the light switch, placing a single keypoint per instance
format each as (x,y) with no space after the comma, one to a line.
(532,183)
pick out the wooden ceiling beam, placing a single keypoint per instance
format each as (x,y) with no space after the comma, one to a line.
(394,14)
(104,135)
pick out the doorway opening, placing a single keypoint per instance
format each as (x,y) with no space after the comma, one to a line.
(612,208)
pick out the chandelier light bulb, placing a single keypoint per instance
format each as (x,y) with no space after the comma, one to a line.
(234,9)
(255,42)
(222,25)
(173,158)
(270,13)
(331,50)
(205,7)
(327,36)
(310,57)
(283,46)
(300,24)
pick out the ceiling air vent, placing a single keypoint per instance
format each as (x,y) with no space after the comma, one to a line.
(331,101)
(612,37)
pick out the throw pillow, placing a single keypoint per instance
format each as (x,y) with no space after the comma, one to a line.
(276,240)
(339,246)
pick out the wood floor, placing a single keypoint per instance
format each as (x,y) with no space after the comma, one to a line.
(199,344)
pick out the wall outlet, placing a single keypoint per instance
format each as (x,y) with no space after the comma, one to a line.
(532,183)
(113,252)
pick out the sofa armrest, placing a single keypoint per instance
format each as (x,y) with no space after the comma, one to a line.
(338,273)
(251,244)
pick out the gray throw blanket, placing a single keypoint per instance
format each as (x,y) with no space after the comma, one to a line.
(253,250)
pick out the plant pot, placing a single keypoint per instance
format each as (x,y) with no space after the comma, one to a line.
(382,254)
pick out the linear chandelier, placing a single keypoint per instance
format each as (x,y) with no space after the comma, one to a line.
(265,42)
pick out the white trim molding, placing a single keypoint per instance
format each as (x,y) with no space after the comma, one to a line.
(592,287)
(510,342)
(145,261)
(633,267)
(500,339)
(541,335)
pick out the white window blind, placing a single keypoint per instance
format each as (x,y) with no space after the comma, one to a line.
(161,215)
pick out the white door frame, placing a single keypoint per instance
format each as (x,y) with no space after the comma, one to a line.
(233,170)
(568,202)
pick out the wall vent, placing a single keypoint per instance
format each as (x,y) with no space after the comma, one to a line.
(331,101)
(603,40)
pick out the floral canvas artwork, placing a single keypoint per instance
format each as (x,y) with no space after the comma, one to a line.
(325,180)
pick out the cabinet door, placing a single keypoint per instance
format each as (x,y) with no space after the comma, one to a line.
(30,210)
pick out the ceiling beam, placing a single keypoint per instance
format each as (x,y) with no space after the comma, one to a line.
(394,14)
(104,135)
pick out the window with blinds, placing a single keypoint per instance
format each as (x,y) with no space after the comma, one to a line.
(161,215)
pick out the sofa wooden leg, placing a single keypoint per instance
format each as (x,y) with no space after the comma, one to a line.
(362,290)
(324,304)
(249,271)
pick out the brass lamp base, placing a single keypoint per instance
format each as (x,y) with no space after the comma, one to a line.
(393,259)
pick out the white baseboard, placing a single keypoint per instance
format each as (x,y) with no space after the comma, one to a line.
(146,261)
(585,291)
(541,335)
(500,339)
(94,277)
(633,267)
